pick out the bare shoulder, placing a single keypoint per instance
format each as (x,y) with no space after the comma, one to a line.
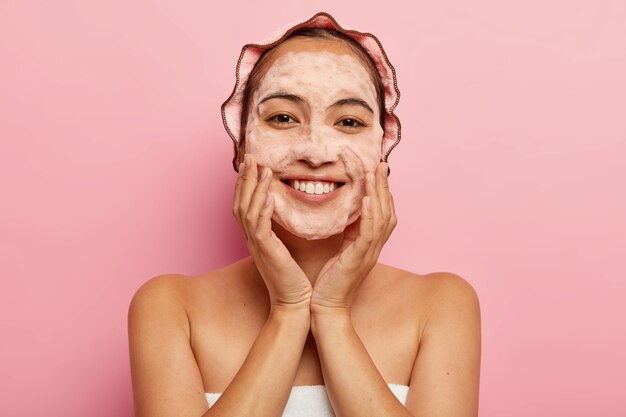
(451,294)
(162,289)
(160,299)
(453,311)
(168,297)
(169,290)
(449,284)
(196,301)
(434,285)
(434,294)
(165,285)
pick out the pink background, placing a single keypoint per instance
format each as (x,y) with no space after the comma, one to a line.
(116,168)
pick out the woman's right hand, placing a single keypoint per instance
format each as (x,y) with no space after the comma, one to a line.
(253,206)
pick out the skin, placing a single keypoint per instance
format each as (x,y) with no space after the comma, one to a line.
(306,312)
(316,109)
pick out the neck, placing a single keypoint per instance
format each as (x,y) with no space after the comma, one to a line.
(310,255)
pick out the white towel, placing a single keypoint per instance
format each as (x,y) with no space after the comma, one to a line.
(312,400)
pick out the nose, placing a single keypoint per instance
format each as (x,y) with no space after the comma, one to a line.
(317,147)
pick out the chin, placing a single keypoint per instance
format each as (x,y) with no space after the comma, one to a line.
(312,228)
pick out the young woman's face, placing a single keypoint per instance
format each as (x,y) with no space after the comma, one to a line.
(314,120)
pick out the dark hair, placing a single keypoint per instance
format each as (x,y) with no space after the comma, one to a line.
(259,70)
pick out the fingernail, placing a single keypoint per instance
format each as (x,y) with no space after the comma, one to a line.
(240,170)
(246,161)
(265,173)
(370,177)
(386,169)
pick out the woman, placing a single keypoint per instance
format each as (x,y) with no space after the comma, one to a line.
(310,323)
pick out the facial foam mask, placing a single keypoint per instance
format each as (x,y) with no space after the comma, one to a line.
(305,124)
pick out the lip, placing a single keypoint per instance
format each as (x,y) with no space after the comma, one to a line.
(312,198)
(308,177)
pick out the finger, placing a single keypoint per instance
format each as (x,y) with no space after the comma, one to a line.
(259,198)
(355,252)
(264,226)
(382,187)
(351,232)
(236,195)
(384,195)
(393,220)
(249,183)
(372,192)
(367,233)
(265,215)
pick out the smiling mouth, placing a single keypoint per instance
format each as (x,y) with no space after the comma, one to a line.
(313,187)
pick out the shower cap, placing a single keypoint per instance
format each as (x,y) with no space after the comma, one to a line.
(232,108)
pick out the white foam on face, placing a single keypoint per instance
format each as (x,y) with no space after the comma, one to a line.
(316,144)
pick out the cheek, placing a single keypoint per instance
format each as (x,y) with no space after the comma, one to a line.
(368,150)
(269,146)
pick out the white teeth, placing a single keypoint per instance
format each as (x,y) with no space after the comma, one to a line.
(313,187)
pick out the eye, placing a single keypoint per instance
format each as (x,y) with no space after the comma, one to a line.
(282,119)
(350,123)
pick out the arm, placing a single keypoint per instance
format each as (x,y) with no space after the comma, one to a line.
(263,384)
(445,377)
(353,383)
(166,379)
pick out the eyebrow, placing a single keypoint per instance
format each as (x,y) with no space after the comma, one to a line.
(351,102)
(286,96)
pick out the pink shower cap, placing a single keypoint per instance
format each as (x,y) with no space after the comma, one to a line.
(232,108)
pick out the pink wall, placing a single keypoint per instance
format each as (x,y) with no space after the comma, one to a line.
(116,168)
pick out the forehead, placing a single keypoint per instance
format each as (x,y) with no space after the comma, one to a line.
(310,44)
(305,51)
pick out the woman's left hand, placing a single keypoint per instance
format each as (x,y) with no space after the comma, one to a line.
(341,277)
